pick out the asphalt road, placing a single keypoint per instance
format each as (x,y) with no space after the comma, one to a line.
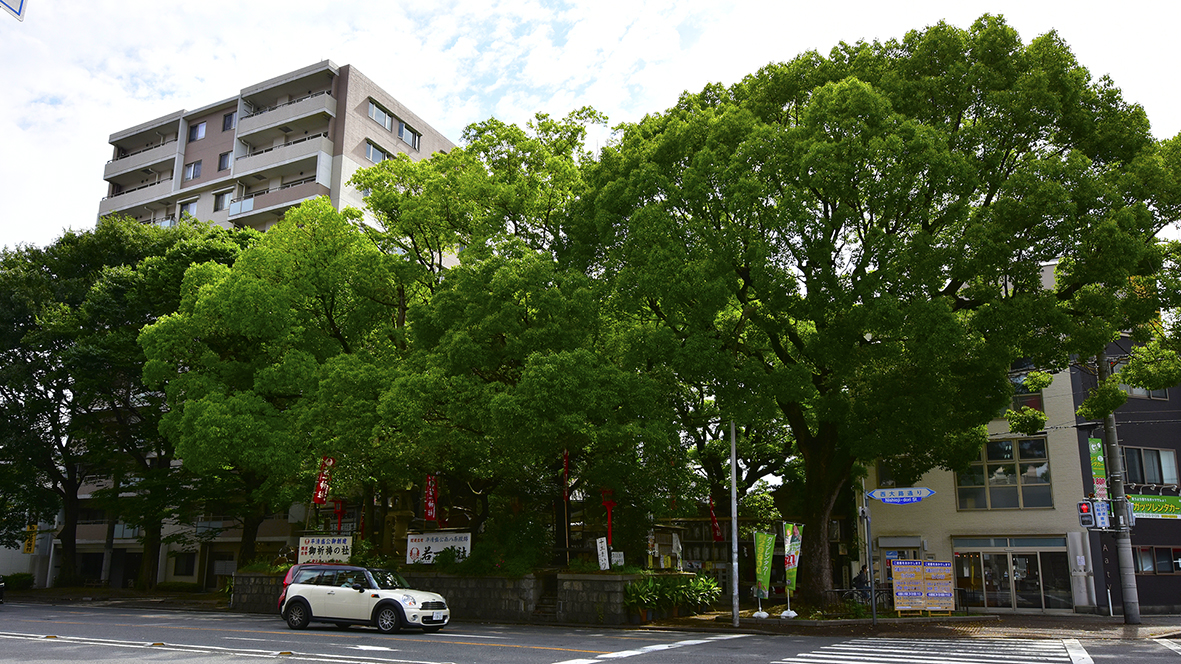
(48,634)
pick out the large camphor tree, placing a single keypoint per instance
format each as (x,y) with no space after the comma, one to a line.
(856,245)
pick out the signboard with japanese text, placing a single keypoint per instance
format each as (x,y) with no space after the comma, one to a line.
(1102,514)
(764,552)
(322,549)
(1098,468)
(604,559)
(430,499)
(939,591)
(320,495)
(792,540)
(421,548)
(910,586)
(30,539)
(1155,507)
(901,496)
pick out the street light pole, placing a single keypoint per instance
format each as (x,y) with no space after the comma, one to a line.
(1123,509)
(733,525)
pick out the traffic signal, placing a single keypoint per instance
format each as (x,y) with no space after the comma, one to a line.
(1086,514)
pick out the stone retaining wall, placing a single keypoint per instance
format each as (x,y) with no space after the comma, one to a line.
(591,599)
(484,597)
(257,593)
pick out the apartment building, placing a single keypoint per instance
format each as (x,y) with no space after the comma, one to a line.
(246,160)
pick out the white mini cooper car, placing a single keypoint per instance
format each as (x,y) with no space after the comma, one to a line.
(348,595)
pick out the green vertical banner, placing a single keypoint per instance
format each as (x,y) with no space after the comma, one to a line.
(764,553)
(1098,468)
(791,552)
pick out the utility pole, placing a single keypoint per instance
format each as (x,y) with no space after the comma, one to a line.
(1123,509)
(733,524)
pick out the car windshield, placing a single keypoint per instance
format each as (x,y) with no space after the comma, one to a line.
(387,580)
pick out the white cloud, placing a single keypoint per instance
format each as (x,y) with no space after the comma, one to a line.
(77,72)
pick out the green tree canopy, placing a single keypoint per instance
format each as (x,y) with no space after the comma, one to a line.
(861,241)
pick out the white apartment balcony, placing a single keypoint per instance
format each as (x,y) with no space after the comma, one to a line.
(160,155)
(137,196)
(288,154)
(258,208)
(286,115)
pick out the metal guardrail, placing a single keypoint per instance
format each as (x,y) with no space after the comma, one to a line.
(128,191)
(254,194)
(141,151)
(287,144)
(268,109)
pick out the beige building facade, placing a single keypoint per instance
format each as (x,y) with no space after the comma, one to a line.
(245,160)
(1009,524)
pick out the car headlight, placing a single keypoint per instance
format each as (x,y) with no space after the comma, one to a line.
(409,601)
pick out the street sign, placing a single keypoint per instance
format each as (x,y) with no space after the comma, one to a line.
(1102,514)
(901,496)
(16,7)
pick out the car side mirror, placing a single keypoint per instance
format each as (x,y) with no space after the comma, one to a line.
(358,587)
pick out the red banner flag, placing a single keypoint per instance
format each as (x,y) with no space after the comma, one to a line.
(320,495)
(713,522)
(431,499)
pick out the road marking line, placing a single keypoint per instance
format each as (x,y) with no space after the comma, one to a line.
(1169,644)
(1078,654)
(656,647)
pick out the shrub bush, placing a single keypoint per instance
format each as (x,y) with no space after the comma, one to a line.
(18,581)
(178,587)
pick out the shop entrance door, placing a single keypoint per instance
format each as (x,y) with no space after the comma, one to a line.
(1013,579)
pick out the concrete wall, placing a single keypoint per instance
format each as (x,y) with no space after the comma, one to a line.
(591,599)
(257,593)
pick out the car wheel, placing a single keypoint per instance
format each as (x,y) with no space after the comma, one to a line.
(432,630)
(387,619)
(298,615)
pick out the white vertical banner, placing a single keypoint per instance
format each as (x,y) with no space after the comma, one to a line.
(604,558)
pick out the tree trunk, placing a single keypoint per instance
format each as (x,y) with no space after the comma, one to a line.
(69,539)
(150,565)
(826,470)
(250,525)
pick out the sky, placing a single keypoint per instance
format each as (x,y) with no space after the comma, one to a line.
(75,72)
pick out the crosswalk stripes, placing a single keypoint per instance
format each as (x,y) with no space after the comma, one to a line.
(944,651)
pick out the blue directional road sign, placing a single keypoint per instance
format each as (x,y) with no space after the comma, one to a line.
(911,494)
(16,7)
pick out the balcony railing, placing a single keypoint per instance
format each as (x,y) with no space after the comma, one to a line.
(268,109)
(142,186)
(287,144)
(142,150)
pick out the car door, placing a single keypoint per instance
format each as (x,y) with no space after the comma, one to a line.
(348,602)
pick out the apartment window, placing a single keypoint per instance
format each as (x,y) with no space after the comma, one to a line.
(1010,474)
(188,209)
(1140,392)
(1157,560)
(1023,396)
(193,170)
(221,201)
(381,116)
(1149,466)
(196,132)
(229,120)
(223,161)
(375,154)
(185,564)
(886,479)
(409,135)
